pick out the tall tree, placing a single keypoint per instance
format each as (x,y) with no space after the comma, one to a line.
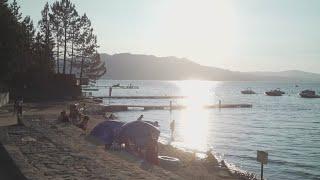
(26,44)
(14,7)
(64,12)
(57,31)
(46,36)
(74,35)
(95,68)
(20,50)
(87,43)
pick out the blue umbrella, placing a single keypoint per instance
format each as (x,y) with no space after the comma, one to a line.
(105,131)
(139,132)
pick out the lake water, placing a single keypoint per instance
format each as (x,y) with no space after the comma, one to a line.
(287,127)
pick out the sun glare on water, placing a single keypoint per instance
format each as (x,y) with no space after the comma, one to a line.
(193,123)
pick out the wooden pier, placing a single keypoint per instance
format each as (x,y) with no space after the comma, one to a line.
(117,108)
(142,97)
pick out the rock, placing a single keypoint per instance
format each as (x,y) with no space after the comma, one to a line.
(28,139)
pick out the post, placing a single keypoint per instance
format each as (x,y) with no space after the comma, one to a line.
(262,157)
(219,104)
(261,171)
(110,91)
(170,109)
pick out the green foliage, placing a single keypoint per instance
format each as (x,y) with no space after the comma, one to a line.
(25,49)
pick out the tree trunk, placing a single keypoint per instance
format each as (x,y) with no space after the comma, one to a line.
(58,67)
(81,69)
(65,51)
(71,62)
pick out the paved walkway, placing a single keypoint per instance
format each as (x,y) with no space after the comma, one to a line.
(6,116)
(45,150)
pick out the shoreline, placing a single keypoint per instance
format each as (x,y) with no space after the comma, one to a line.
(40,117)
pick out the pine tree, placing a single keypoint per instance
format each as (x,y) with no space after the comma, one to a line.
(46,36)
(90,64)
(14,7)
(74,35)
(64,11)
(96,68)
(57,31)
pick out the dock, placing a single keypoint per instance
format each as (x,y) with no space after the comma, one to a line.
(142,97)
(117,108)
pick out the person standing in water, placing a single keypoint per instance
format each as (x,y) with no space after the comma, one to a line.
(172,128)
(140,118)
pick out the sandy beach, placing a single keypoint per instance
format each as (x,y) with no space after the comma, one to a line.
(43,149)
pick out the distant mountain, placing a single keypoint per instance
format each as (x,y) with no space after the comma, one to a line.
(291,74)
(126,66)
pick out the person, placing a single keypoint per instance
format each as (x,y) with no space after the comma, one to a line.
(18,110)
(15,106)
(172,127)
(110,91)
(84,123)
(83,108)
(112,117)
(63,117)
(75,114)
(140,118)
(19,107)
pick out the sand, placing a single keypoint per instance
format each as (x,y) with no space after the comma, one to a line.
(78,158)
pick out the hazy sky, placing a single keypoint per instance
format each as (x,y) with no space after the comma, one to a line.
(241,35)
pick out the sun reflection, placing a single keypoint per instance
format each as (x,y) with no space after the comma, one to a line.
(193,123)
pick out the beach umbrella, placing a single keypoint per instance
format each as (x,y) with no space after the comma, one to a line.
(104,132)
(139,132)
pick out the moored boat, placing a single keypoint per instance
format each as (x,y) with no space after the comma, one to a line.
(308,94)
(276,92)
(248,91)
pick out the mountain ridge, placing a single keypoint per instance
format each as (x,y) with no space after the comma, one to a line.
(127,66)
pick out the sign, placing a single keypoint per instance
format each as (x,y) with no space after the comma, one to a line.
(262,157)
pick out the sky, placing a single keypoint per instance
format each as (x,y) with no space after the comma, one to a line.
(246,35)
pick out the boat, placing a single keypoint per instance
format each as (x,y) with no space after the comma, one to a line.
(130,86)
(90,89)
(276,92)
(116,85)
(248,91)
(308,94)
(98,100)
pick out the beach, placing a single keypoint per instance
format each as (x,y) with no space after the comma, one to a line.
(43,149)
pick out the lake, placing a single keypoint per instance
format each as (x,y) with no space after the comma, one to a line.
(287,127)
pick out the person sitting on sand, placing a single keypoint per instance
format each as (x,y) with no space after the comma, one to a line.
(140,118)
(112,117)
(84,123)
(63,117)
(83,108)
